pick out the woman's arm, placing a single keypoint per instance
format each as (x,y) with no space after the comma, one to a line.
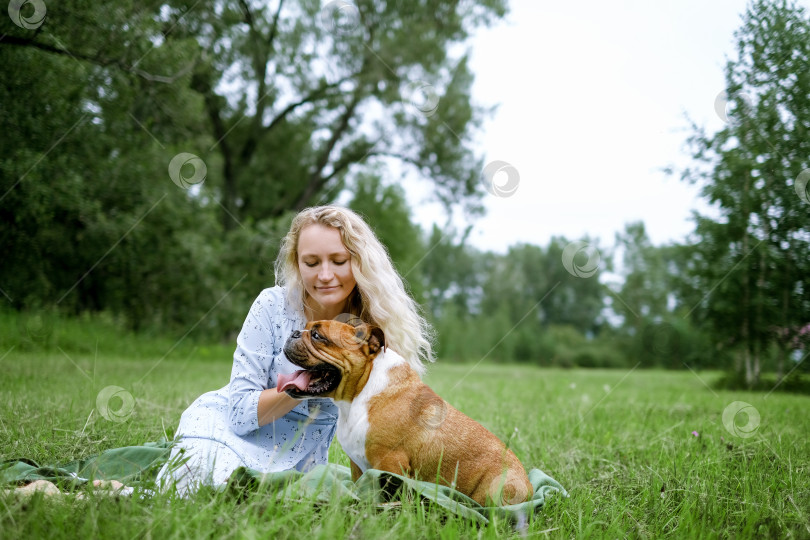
(253,399)
(273,405)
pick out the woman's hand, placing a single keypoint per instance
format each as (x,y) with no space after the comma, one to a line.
(273,405)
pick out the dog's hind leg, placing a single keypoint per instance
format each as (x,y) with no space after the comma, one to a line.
(356,472)
(392,461)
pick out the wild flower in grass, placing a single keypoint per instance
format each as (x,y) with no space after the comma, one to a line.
(696,434)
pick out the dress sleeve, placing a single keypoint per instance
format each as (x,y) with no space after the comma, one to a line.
(253,362)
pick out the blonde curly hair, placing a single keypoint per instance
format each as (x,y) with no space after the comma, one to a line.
(379,298)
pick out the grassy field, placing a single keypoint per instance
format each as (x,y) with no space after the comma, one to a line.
(644,454)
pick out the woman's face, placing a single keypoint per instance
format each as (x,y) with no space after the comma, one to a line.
(326,270)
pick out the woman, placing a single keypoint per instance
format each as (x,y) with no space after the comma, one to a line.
(330,263)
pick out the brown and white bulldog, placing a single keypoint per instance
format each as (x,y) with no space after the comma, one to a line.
(391,421)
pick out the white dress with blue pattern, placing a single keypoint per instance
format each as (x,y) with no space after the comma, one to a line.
(220,430)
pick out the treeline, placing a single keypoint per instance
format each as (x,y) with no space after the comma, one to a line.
(559,305)
(153,155)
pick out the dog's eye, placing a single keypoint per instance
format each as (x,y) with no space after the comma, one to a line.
(315,335)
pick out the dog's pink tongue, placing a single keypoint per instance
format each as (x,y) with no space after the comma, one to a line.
(299,379)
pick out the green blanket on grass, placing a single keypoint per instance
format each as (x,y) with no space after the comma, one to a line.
(137,466)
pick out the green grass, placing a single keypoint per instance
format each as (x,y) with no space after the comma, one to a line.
(620,441)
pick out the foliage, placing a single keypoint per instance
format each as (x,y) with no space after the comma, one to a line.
(286,104)
(296,104)
(752,260)
(654,305)
(386,210)
(514,306)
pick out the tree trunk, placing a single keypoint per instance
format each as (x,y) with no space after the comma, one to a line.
(202,83)
(229,193)
(761,322)
(780,362)
(783,337)
(749,371)
(746,305)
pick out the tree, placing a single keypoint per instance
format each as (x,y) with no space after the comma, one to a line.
(386,210)
(752,261)
(580,297)
(643,295)
(297,94)
(530,290)
(317,90)
(452,273)
(90,218)
(286,103)
(653,298)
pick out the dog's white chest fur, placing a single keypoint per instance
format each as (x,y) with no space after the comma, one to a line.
(352,424)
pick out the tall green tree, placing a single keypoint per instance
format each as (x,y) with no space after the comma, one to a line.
(653,298)
(299,94)
(752,261)
(285,103)
(296,94)
(644,293)
(89,219)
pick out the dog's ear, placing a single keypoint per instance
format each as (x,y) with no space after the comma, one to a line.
(376,340)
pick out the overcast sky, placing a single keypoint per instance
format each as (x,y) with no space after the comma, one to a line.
(592,100)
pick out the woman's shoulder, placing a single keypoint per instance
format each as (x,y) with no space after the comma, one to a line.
(271,296)
(273,303)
